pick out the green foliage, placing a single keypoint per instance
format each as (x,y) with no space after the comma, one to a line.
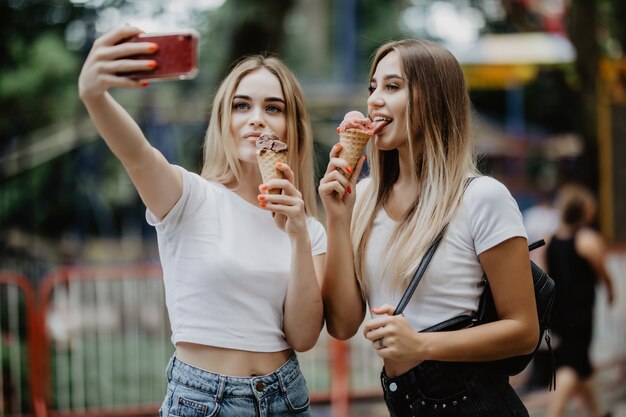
(41,88)
(46,62)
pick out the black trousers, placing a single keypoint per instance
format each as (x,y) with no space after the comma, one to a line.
(451,389)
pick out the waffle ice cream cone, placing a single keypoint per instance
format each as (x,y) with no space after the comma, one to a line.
(267,165)
(353,142)
(270,151)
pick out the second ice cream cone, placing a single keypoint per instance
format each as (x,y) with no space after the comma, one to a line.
(353,142)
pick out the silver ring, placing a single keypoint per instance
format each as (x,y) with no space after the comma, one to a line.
(380,343)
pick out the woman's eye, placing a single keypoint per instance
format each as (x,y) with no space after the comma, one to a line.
(241,106)
(274,109)
(371,89)
(392,87)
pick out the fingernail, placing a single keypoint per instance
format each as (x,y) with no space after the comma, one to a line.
(145,83)
(261,197)
(349,190)
(279,164)
(151,64)
(153,47)
(348,169)
(338,130)
(263,186)
(262,204)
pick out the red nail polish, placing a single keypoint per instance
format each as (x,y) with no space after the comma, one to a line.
(349,190)
(145,83)
(153,47)
(151,64)
(262,204)
(348,169)
(261,197)
(279,164)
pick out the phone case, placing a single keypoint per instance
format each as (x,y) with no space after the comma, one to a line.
(176,57)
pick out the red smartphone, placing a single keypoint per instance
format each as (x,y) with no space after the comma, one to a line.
(177,56)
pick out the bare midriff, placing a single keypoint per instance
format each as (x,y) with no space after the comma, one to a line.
(231,361)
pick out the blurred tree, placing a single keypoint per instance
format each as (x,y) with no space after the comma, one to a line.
(582,28)
(36,70)
(256,27)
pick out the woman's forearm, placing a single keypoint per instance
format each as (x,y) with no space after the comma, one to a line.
(118,129)
(344,307)
(304,311)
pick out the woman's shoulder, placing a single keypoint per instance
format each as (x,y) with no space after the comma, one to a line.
(590,242)
(486,186)
(486,190)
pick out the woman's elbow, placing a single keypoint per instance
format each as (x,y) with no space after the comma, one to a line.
(341,332)
(304,345)
(529,340)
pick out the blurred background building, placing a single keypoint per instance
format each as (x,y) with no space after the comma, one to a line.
(547,80)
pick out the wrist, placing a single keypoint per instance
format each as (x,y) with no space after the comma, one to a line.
(424,343)
(338,223)
(301,241)
(93,99)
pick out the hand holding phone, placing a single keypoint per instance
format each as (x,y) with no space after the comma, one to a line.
(176,56)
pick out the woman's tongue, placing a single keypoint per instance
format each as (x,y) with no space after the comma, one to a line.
(379,125)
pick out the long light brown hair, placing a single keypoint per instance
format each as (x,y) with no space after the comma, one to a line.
(438,131)
(220,153)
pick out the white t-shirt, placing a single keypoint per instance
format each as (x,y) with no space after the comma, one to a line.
(226,267)
(451,286)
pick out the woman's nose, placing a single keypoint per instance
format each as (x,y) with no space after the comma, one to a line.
(256,119)
(375,100)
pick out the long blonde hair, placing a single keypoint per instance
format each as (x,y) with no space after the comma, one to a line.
(438,118)
(220,153)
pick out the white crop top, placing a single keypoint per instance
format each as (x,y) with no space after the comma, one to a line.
(487,216)
(226,267)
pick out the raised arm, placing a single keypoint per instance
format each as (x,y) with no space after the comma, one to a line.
(159,184)
(344,306)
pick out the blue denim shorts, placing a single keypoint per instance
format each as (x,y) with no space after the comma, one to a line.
(194,392)
(447,389)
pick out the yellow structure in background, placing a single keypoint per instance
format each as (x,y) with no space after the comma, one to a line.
(501,76)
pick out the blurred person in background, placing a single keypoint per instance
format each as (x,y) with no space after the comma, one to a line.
(378,231)
(241,266)
(575,258)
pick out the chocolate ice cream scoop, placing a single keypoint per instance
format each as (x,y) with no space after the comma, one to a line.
(268,141)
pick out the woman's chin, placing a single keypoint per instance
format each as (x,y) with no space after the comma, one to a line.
(246,153)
